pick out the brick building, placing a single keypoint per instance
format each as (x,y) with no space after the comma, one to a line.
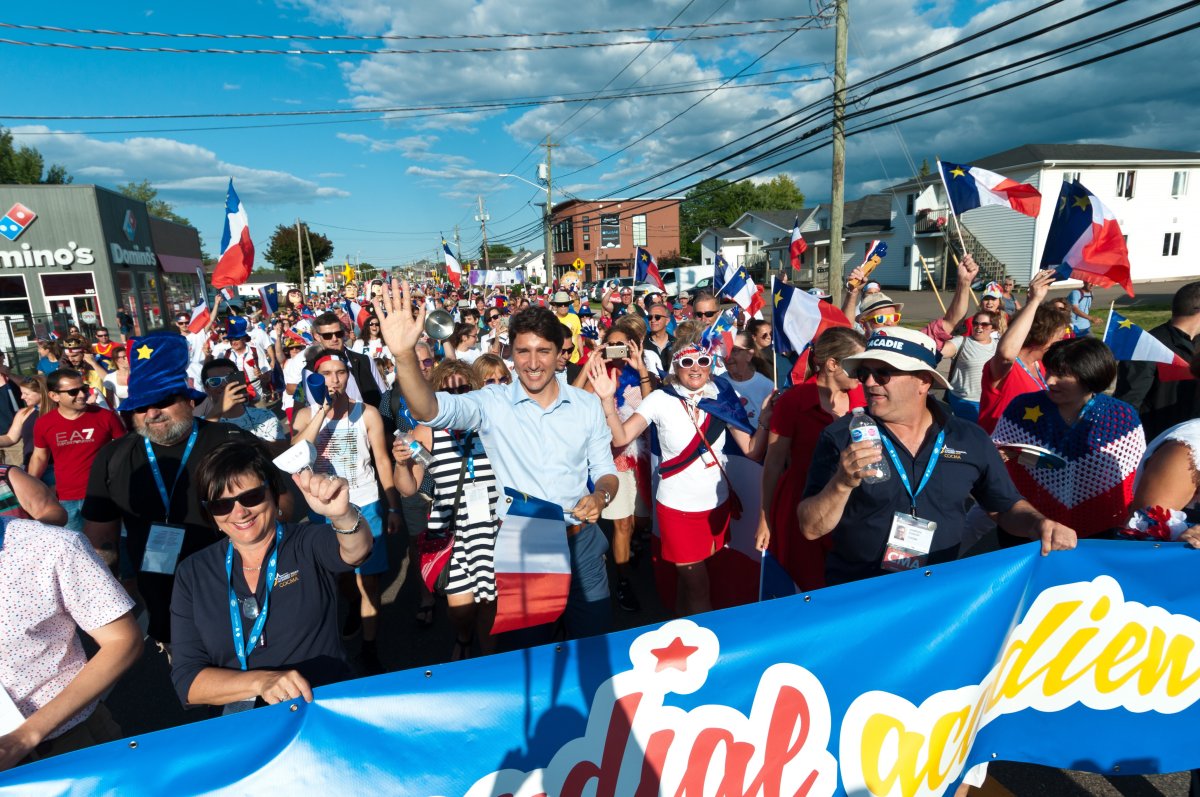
(606,234)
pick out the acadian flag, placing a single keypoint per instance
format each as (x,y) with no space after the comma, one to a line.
(798,319)
(453,267)
(970,187)
(647,270)
(798,245)
(1085,242)
(270,299)
(737,286)
(718,338)
(237,250)
(1131,343)
(200,317)
(532,561)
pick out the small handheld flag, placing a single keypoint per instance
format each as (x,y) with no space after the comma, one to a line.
(200,317)
(876,252)
(647,270)
(1131,343)
(532,562)
(270,299)
(1085,242)
(798,245)
(969,187)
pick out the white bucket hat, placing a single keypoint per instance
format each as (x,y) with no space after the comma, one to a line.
(903,349)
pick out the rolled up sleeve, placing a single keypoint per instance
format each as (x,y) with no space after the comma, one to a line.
(464,412)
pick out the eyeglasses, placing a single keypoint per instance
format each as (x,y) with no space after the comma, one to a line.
(983,323)
(708,314)
(560,304)
(658,317)
(332,335)
(497,380)
(885,319)
(161,404)
(72,391)
(456,390)
(881,375)
(251,498)
(687,362)
(567,349)
(373,324)
(217,381)
(763,335)
(181,321)
(426,363)
(102,334)
(494,317)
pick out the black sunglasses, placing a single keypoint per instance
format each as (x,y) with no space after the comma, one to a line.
(882,375)
(223,506)
(427,362)
(568,349)
(161,404)
(332,335)
(709,314)
(658,317)
(73,391)
(457,390)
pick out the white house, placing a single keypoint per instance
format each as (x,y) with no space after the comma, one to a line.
(733,245)
(1147,190)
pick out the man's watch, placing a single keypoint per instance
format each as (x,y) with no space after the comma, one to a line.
(607,497)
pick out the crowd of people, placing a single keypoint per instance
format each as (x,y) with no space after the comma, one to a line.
(141,477)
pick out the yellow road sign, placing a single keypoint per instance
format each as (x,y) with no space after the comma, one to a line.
(578,264)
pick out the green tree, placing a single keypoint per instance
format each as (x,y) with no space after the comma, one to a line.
(925,170)
(159,208)
(282,253)
(497,253)
(778,193)
(26,166)
(719,203)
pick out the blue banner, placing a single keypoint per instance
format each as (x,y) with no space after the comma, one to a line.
(896,686)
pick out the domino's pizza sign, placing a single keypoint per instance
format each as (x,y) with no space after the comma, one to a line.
(16,221)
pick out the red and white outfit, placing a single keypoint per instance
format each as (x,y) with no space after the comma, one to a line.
(692,502)
(250,361)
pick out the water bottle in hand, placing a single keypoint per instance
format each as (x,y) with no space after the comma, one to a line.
(419,452)
(862,427)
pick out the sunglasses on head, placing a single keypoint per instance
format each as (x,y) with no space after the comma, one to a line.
(72,391)
(881,375)
(332,335)
(687,362)
(456,389)
(884,319)
(707,314)
(251,498)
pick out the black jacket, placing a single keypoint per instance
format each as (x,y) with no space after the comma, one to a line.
(1160,404)
(360,369)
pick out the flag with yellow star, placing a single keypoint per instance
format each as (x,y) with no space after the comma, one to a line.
(1131,343)
(1085,242)
(969,187)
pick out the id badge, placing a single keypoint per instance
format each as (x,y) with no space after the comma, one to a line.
(479,506)
(908,543)
(162,549)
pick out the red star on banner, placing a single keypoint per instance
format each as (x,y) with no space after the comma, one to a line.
(673,655)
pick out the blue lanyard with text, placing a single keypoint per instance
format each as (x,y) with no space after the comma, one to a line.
(158,479)
(1035,374)
(240,645)
(465,449)
(933,460)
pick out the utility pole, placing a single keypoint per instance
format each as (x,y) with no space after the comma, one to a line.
(300,254)
(546,215)
(837,281)
(457,245)
(482,218)
(308,242)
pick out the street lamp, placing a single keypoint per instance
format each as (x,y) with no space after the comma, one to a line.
(547,255)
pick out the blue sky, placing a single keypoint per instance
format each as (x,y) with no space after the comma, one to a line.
(399,181)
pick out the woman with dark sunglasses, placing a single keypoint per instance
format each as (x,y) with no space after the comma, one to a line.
(254,616)
(971,353)
(696,418)
(369,341)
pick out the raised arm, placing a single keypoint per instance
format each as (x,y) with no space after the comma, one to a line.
(957,311)
(606,390)
(401,329)
(1011,342)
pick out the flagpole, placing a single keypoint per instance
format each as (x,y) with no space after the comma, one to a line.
(774,356)
(762,567)
(937,294)
(1108,323)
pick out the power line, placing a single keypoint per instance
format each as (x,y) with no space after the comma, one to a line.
(398,36)
(389,50)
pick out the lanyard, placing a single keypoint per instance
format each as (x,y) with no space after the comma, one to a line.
(466,448)
(933,460)
(240,645)
(1035,374)
(158,479)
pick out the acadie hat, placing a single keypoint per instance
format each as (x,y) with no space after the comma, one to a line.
(158,364)
(903,349)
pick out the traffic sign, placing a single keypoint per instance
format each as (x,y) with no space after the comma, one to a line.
(578,264)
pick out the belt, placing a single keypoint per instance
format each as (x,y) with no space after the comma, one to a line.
(574,528)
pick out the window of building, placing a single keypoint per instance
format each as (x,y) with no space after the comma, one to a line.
(563,237)
(1070,177)
(1179,184)
(910,204)
(14,298)
(1125,184)
(907,255)
(587,247)
(585,220)
(1171,244)
(639,230)
(610,230)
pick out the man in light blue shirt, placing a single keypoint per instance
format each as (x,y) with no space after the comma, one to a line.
(1082,319)
(543,438)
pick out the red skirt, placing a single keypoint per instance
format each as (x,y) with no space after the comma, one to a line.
(692,536)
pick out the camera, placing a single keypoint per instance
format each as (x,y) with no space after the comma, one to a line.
(618,352)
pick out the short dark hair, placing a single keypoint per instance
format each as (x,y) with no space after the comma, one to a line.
(231,460)
(220,362)
(61,375)
(461,329)
(1048,321)
(1186,300)
(326,319)
(1087,359)
(317,353)
(539,321)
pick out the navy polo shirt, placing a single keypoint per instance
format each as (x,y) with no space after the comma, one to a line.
(301,630)
(969,465)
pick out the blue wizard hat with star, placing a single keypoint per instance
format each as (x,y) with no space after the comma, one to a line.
(158,365)
(238,328)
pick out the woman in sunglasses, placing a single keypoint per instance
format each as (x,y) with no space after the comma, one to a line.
(116,384)
(696,419)
(369,341)
(971,353)
(491,370)
(462,520)
(462,343)
(254,616)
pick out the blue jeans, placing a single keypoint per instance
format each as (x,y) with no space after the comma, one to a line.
(74,515)
(967,410)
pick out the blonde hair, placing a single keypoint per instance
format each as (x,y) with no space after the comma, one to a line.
(448,368)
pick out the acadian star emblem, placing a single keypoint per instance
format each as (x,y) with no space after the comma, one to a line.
(957,171)
(144,352)
(778,298)
(1126,324)
(1082,202)
(673,655)
(1033,413)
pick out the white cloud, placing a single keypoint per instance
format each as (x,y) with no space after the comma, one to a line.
(230,86)
(329,175)
(182,172)
(416,148)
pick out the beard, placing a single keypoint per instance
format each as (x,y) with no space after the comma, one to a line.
(165,433)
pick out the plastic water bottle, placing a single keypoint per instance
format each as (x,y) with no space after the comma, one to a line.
(862,427)
(419,452)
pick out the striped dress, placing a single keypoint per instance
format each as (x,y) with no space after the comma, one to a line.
(472,567)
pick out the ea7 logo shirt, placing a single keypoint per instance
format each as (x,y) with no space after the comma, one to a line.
(72,445)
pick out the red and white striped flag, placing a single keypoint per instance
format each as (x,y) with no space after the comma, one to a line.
(533,563)
(200,317)
(798,245)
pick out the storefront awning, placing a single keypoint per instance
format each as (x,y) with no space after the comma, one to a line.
(176,264)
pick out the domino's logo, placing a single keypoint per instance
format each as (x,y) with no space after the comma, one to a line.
(16,221)
(130,226)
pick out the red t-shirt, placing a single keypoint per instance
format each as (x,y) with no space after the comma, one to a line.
(993,400)
(798,415)
(73,444)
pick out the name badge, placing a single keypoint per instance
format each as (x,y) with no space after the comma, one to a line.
(908,543)
(479,506)
(162,549)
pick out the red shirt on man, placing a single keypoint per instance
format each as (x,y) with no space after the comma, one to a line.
(73,444)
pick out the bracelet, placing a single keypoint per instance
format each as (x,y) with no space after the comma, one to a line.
(354,528)
(644,379)
(394,511)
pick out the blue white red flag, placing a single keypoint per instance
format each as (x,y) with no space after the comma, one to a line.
(270,299)
(737,285)
(1085,241)
(237,250)
(718,338)
(969,187)
(799,318)
(647,270)
(200,317)
(532,560)
(453,267)
(228,293)
(798,245)
(1131,343)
